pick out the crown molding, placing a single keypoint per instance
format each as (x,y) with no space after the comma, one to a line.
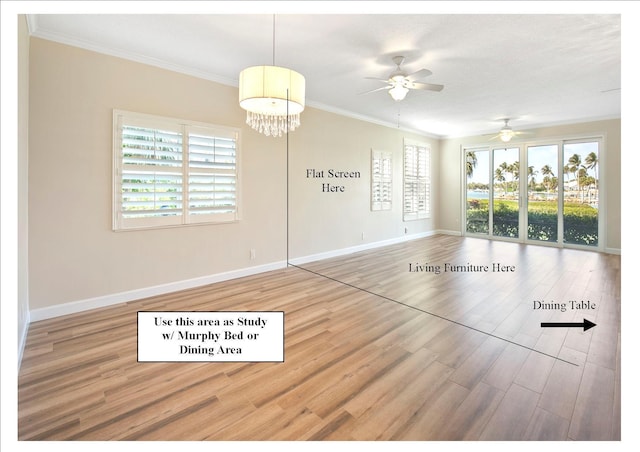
(124,54)
(352,115)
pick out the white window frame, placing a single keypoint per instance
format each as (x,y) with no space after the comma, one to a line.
(416,181)
(188,167)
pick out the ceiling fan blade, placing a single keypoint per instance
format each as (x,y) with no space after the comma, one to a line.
(420,74)
(425,86)
(378,79)
(374,90)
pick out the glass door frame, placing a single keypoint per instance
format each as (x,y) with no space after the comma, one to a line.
(490,149)
(523,147)
(521,199)
(559,243)
(601,181)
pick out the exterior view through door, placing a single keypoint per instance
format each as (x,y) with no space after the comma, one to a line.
(562,187)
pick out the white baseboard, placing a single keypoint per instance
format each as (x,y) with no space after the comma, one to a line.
(357,248)
(445,232)
(22,338)
(123,297)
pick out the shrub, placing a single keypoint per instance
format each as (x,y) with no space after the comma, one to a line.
(580,220)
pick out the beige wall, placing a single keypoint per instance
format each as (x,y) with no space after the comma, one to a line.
(321,221)
(23,180)
(73,253)
(451,173)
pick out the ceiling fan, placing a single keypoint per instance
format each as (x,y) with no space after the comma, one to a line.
(507,133)
(399,82)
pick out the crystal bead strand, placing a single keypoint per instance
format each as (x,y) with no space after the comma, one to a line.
(272,125)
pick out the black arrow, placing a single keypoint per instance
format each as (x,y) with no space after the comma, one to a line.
(585,324)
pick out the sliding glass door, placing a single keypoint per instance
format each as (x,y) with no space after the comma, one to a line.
(562,187)
(493,192)
(506,192)
(581,194)
(542,193)
(478,184)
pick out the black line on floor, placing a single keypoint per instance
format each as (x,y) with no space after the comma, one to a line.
(429,313)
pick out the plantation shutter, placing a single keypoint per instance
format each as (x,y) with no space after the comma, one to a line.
(417,182)
(151,176)
(212,184)
(381,180)
(172,172)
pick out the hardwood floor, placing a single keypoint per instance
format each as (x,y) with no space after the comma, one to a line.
(412,356)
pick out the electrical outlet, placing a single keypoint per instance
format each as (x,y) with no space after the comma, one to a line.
(252,254)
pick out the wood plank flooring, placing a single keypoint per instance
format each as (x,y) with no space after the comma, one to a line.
(413,356)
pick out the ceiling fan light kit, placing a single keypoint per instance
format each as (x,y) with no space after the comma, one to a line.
(506,133)
(399,82)
(398,92)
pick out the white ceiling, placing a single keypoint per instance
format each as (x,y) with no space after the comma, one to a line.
(539,69)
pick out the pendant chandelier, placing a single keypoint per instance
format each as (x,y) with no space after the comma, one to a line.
(273,97)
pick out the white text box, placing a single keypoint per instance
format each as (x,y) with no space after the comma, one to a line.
(215,336)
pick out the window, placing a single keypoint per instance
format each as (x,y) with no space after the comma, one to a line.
(381,180)
(169,172)
(417,181)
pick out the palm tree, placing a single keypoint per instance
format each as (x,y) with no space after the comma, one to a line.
(548,182)
(547,171)
(574,166)
(514,170)
(499,176)
(592,163)
(582,180)
(504,170)
(472,162)
(531,175)
(589,181)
